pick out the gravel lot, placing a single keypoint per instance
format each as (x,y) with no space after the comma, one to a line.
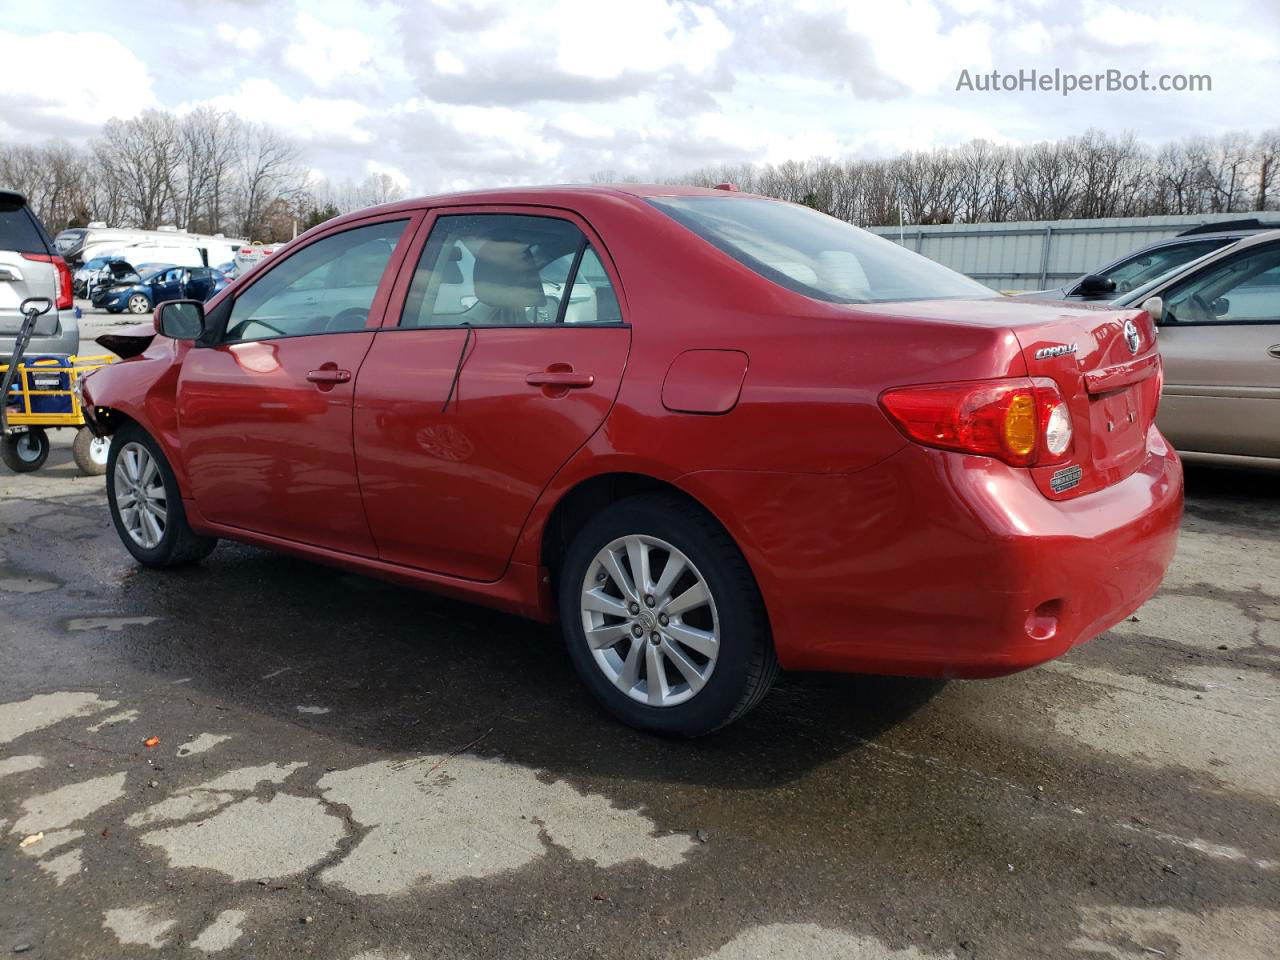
(347,769)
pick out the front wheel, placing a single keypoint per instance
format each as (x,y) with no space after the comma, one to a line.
(663,619)
(25,450)
(138,303)
(146,505)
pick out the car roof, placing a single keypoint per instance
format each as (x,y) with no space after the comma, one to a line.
(550,195)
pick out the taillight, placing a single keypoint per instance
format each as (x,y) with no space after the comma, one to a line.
(64,300)
(1023,422)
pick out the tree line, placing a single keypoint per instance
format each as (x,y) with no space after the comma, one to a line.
(1093,175)
(207,171)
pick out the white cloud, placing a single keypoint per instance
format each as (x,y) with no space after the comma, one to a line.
(464,93)
(244,39)
(47,90)
(331,56)
(327,119)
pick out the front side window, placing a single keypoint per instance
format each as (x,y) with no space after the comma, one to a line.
(816,255)
(326,287)
(1242,289)
(499,269)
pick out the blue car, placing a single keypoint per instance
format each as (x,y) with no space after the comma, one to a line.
(140,294)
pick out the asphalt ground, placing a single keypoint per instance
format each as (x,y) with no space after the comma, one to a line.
(348,769)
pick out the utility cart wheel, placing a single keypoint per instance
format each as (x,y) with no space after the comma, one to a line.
(25,450)
(90,452)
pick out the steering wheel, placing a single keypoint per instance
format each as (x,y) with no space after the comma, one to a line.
(352,318)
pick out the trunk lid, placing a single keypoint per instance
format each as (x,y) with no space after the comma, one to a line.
(1105,363)
(1107,367)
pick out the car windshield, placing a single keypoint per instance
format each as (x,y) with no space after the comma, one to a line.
(1134,272)
(1138,294)
(153,275)
(814,254)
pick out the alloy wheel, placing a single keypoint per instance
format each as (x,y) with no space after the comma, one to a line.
(139,304)
(650,620)
(140,495)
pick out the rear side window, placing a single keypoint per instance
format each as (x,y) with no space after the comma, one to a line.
(18,229)
(814,254)
(498,269)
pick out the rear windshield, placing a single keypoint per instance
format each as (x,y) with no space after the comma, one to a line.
(18,230)
(814,254)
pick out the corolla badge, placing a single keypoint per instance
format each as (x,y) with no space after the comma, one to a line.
(1131,336)
(1044,353)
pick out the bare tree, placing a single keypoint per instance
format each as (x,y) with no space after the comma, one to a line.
(269,168)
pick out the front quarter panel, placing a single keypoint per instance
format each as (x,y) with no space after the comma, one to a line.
(144,389)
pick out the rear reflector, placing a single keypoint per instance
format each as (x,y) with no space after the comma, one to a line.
(1021,421)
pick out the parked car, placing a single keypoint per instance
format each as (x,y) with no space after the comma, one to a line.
(229,269)
(712,434)
(140,294)
(1135,269)
(1219,322)
(148,268)
(29,267)
(94,272)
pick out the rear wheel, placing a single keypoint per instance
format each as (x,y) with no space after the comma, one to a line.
(25,450)
(663,619)
(146,505)
(90,452)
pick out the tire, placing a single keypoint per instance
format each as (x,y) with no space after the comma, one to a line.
(25,450)
(90,452)
(744,665)
(177,543)
(139,304)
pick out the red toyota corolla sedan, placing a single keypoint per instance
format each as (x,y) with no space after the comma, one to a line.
(712,434)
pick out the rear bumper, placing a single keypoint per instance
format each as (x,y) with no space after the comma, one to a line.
(64,338)
(944,565)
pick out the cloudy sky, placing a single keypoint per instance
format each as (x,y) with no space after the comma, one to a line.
(446,94)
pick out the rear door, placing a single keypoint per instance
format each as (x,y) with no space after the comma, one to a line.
(502,358)
(264,416)
(1220,336)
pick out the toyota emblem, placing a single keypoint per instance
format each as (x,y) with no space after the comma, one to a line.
(1131,336)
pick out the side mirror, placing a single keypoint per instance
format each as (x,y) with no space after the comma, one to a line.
(180,319)
(1094,284)
(1155,307)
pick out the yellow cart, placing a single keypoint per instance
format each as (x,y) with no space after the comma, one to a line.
(44,395)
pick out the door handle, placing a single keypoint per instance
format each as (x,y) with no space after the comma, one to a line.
(329,375)
(1274,351)
(560,378)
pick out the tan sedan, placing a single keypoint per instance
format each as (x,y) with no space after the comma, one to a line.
(1219,325)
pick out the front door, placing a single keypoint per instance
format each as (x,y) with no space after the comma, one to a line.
(504,359)
(264,417)
(1220,339)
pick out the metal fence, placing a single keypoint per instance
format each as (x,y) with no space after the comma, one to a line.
(1037,254)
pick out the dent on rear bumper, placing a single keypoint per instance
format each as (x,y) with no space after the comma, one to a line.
(931,563)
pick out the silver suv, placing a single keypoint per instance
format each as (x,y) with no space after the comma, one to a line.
(31,267)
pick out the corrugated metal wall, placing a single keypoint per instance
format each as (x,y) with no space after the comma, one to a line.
(1036,254)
